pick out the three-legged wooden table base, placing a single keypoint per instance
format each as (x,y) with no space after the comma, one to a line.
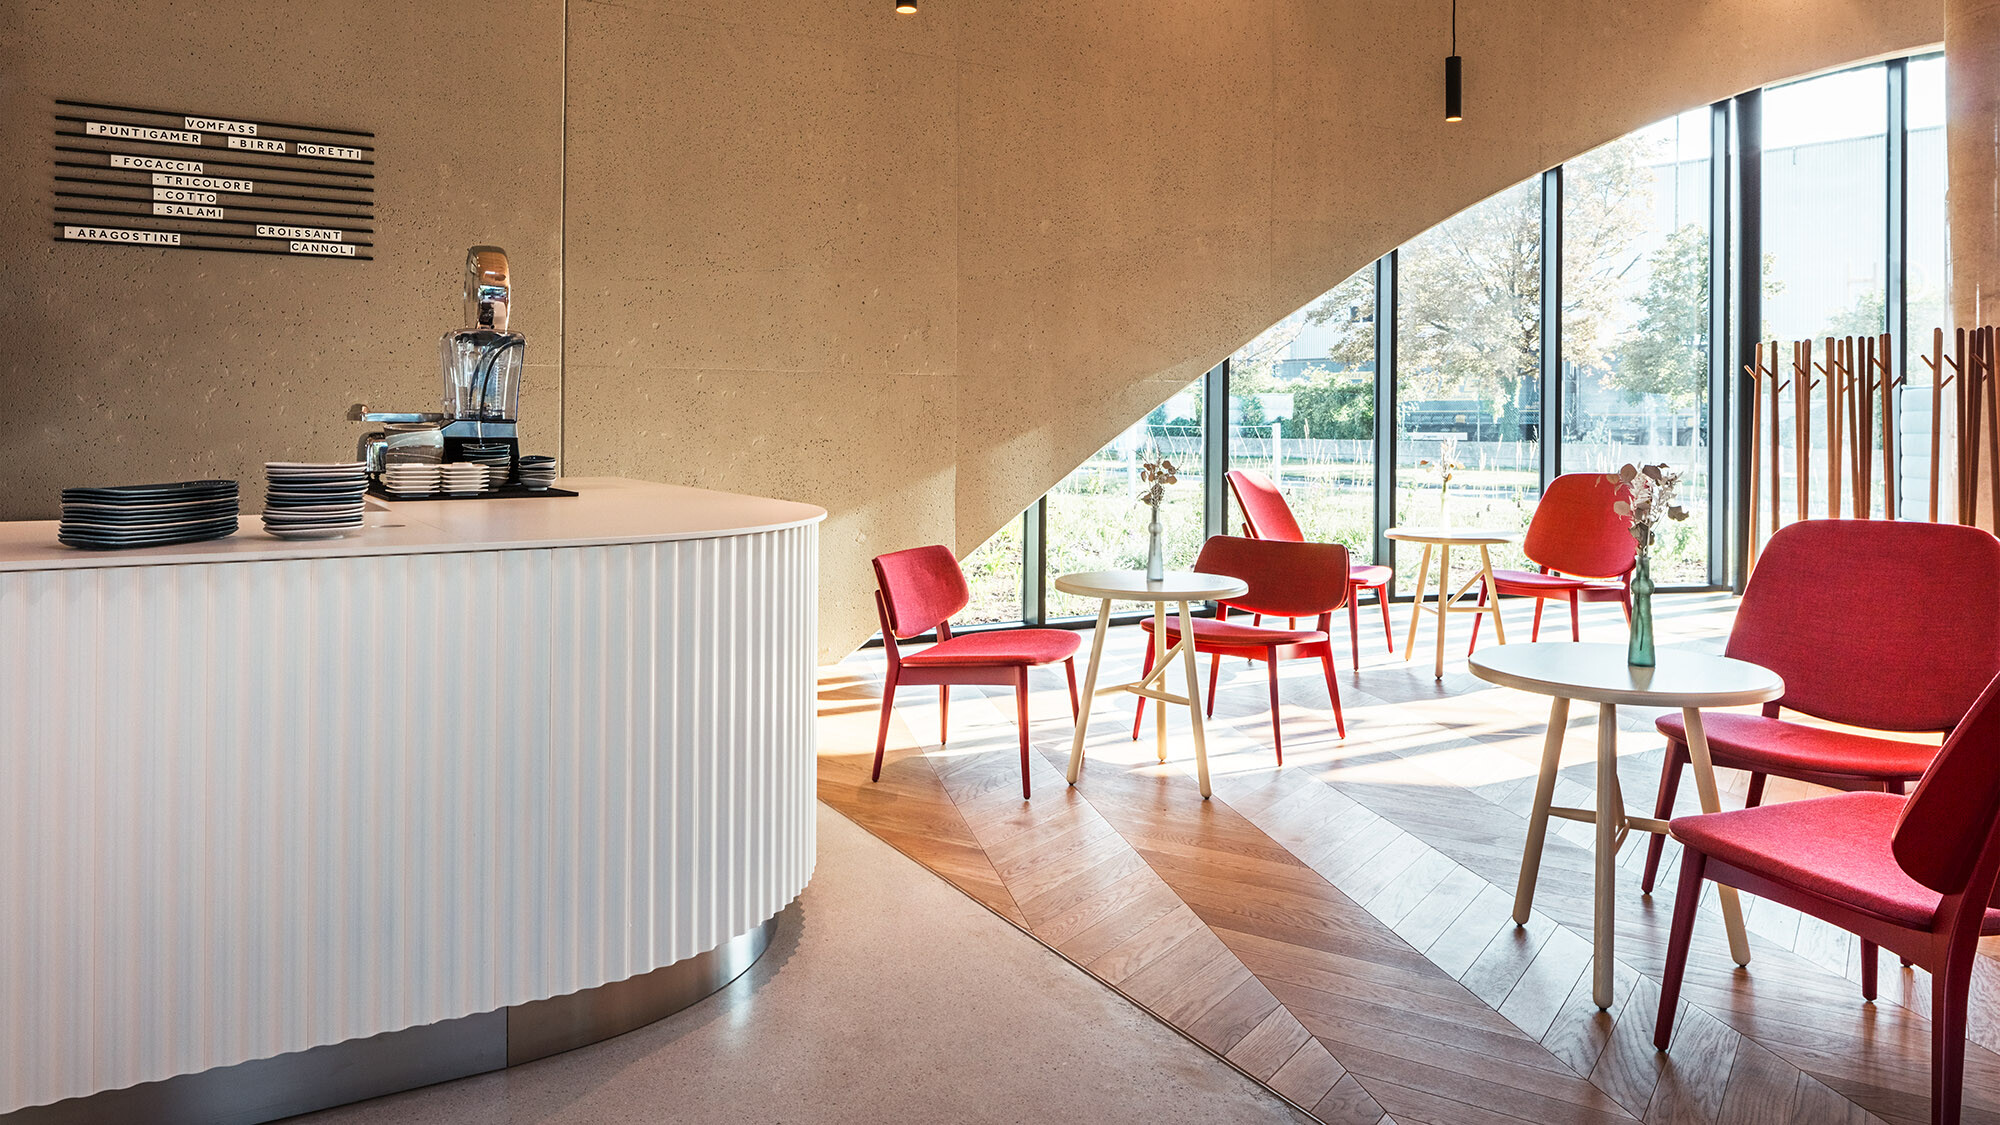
(1613,826)
(1152,686)
(1447,604)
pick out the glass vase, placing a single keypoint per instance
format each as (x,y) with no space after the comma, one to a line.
(1156,552)
(1639,653)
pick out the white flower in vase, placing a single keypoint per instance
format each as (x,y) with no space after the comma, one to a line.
(1156,474)
(1446,464)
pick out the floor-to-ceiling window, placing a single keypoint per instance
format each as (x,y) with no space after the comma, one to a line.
(1468,370)
(1635,318)
(1825,243)
(1302,411)
(993,573)
(1851,219)
(1927,283)
(1095,518)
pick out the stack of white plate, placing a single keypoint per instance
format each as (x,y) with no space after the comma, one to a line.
(413,478)
(537,472)
(314,499)
(147,515)
(497,458)
(464,478)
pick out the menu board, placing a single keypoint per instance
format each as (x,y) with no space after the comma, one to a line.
(190,181)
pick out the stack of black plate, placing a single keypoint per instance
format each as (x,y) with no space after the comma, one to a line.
(314,499)
(148,515)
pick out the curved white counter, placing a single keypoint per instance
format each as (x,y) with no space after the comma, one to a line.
(259,796)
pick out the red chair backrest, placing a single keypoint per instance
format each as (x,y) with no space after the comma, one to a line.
(1954,816)
(1576,532)
(1285,579)
(1264,507)
(921,587)
(1878,623)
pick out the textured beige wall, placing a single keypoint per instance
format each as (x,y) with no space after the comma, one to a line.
(120,364)
(910,269)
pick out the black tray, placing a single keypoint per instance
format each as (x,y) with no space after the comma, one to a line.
(504,492)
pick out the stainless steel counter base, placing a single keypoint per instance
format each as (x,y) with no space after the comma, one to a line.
(359,1069)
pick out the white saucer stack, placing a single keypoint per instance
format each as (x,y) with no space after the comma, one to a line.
(464,478)
(314,499)
(413,478)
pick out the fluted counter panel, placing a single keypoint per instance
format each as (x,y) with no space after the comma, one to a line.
(248,808)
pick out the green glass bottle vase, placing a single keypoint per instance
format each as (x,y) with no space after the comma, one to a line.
(1639,653)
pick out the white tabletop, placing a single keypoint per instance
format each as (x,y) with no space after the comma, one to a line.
(1598,673)
(1132,586)
(1453,536)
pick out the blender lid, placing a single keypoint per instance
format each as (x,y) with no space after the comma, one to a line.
(488,291)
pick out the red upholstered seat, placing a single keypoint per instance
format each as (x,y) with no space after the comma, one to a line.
(1286,579)
(1766,745)
(1583,546)
(1847,612)
(1837,847)
(1009,646)
(1226,632)
(916,591)
(1267,516)
(1916,876)
(1528,582)
(1369,576)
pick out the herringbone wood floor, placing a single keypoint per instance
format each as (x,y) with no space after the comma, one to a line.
(1339,928)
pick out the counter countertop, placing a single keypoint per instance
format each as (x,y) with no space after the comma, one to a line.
(608,510)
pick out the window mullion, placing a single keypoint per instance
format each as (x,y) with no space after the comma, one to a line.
(1552,367)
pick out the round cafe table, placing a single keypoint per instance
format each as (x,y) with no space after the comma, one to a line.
(1444,539)
(1598,673)
(1179,588)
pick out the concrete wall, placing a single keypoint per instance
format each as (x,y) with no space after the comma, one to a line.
(912,269)
(120,364)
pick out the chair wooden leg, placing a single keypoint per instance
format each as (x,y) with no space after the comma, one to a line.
(1575,622)
(1277,734)
(944,714)
(1021,721)
(882,735)
(1388,630)
(1755,796)
(1476,619)
(1214,674)
(1663,809)
(1332,692)
(1139,714)
(1354,622)
(1948,996)
(1871,956)
(1535,634)
(1685,900)
(1069,670)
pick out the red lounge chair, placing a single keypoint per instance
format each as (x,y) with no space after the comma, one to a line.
(918,590)
(1873,623)
(1267,516)
(1584,551)
(1915,875)
(1286,580)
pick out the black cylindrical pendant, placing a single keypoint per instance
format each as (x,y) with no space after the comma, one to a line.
(1454,90)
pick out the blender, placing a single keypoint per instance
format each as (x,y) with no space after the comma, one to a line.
(482,364)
